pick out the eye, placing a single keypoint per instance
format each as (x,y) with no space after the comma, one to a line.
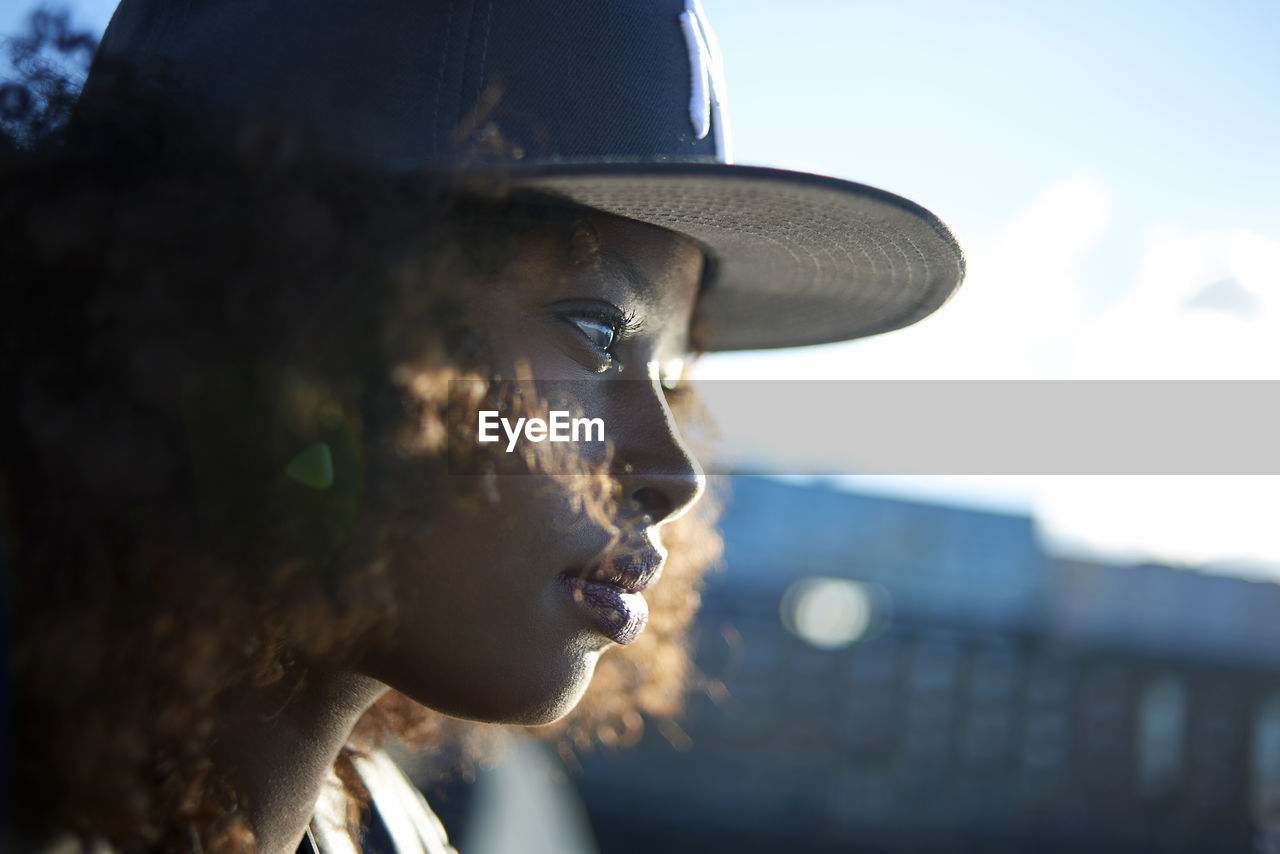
(602,326)
(600,333)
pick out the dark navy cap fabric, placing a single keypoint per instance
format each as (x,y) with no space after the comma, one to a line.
(618,106)
(402,84)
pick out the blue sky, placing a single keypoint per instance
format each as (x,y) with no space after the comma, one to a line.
(969,106)
(1108,166)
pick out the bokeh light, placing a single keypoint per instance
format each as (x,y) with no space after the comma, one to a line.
(828,613)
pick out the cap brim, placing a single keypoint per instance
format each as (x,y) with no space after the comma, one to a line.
(799,259)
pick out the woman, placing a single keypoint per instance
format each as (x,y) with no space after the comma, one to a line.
(285,260)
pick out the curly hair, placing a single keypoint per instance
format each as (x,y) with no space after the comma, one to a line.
(179,298)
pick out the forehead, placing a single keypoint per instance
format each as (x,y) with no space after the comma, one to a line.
(656,265)
(633,264)
(525,264)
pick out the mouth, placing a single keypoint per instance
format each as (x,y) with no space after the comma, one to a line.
(608,592)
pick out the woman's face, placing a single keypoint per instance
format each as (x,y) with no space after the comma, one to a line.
(505,604)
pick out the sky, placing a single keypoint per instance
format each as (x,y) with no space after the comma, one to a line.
(1110,169)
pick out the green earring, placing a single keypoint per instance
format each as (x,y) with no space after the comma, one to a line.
(313,466)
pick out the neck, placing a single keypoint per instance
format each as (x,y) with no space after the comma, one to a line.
(279,742)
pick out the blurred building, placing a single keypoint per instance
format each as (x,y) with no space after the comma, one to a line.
(884,675)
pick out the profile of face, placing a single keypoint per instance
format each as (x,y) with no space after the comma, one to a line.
(505,605)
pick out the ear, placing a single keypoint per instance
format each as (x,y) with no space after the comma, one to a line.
(278,465)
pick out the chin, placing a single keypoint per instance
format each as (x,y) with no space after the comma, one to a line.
(548,696)
(528,696)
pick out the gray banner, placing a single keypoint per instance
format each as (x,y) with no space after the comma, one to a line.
(934,427)
(997,427)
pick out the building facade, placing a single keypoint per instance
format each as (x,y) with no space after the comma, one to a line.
(884,675)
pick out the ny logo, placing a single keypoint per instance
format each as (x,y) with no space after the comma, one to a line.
(707,90)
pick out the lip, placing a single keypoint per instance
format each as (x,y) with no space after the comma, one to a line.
(608,592)
(633,572)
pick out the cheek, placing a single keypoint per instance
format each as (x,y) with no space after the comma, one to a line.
(483,629)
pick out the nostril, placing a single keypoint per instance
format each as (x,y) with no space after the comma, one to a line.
(654,502)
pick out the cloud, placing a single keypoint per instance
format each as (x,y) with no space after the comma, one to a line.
(1228,521)
(1022,305)
(1229,296)
(1204,305)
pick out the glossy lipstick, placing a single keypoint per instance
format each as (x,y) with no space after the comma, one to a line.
(609,593)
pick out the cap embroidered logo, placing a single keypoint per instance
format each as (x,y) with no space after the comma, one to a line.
(707,87)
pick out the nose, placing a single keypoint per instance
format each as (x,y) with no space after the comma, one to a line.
(658,474)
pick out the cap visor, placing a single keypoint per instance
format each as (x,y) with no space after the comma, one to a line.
(799,259)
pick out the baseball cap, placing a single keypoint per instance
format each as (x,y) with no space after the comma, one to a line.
(617,106)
